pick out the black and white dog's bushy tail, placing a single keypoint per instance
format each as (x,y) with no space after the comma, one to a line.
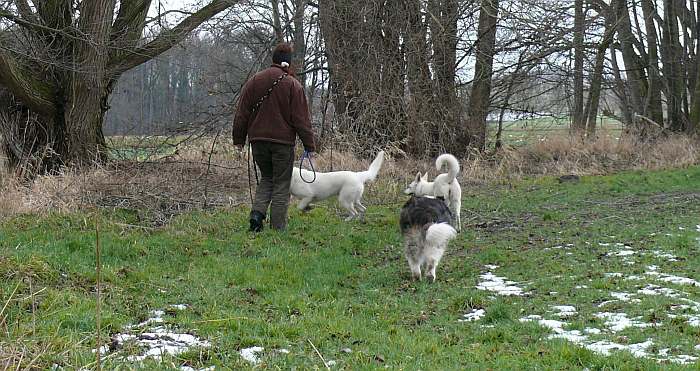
(439,234)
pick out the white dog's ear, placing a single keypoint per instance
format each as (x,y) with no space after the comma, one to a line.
(418,177)
(425,176)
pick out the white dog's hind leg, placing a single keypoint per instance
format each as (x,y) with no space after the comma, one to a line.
(304,203)
(362,209)
(347,199)
(350,207)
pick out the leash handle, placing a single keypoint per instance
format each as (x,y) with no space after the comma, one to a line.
(301,162)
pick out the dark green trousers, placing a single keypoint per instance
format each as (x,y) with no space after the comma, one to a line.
(275,162)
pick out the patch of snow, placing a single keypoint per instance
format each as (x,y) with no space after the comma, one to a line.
(622,296)
(618,321)
(613,275)
(474,315)
(677,279)
(694,321)
(564,310)
(160,342)
(592,330)
(621,253)
(103,349)
(178,306)
(605,347)
(682,359)
(499,285)
(581,287)
(331,363)
(664,255)
(157,341)
(577,337)
(490,266)
(250,354)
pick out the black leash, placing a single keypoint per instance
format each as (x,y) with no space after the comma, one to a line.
(255,170)
(301,162)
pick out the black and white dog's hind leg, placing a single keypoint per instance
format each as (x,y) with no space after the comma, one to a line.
(414,240)
(437,237)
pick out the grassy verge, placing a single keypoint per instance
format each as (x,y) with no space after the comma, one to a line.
(344,288)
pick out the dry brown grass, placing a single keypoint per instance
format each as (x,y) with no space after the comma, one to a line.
(195,177)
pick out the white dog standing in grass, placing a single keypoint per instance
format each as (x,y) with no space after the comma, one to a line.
(347,185)
(445,186)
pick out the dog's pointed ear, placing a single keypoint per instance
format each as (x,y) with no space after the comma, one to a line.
(425,176)
(418,177)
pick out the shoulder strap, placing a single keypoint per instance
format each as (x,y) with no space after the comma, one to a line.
(268,92)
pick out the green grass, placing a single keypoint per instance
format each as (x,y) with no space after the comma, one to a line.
(346,285)
(528,131)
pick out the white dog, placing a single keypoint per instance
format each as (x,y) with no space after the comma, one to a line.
(445,186)
(347,185)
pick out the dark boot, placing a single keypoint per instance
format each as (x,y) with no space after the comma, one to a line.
(256,221)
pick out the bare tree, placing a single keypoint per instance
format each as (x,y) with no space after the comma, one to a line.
(61,59)
(483,71)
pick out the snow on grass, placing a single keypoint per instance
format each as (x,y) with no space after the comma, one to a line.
(499,285)
(614,275)
(664,255)
(617,322)
(603,347)
(251,354)
(564,311)
(155,340)
(474,315)
(622,296)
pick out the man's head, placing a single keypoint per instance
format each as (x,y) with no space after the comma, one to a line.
(282,53)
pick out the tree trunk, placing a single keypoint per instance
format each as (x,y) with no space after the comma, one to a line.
(652,107)
(596,85)
(483,70)
(672,68)
(633,68)
(578,122)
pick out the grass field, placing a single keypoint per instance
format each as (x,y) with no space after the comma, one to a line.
(527,131)
(622,250)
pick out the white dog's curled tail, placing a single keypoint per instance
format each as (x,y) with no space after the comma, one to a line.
(438,235)
(452,164)
(374,167)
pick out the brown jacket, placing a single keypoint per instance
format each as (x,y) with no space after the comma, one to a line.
(280,118)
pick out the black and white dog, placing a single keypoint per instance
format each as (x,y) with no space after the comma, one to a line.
(426,228)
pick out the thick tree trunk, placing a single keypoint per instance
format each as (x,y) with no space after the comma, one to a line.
(483,70)
(672,68)
(633,68)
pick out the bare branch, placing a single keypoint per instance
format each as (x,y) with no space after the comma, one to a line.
(168,38)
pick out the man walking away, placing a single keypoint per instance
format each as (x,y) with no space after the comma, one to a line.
(272,111)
